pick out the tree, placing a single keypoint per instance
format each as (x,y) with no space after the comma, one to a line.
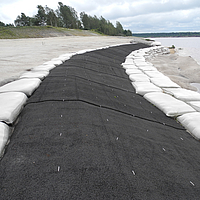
(85,20)
(41,17)
(119,28)
(9,25)
(2,24)
(111,29)
(22,20)
(89,22)
(68,16)
(127,33)
(52,19)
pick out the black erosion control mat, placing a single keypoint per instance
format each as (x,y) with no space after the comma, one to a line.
(86,134)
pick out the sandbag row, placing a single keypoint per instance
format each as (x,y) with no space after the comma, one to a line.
(159,90)
(14,95)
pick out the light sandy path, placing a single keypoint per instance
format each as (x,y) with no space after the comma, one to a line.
(18,55)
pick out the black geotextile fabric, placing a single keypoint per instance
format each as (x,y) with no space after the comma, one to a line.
(85,134)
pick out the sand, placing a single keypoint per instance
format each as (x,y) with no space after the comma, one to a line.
(183,70)
(19,55)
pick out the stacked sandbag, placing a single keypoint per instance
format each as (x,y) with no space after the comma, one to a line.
(14,95)
(160,91)
(4,136)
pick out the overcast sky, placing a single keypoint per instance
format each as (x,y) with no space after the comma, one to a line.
(136,15)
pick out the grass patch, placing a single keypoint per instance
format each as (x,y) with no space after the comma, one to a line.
(41,32)
(6,33)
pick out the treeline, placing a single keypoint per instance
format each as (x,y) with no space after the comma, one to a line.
(102,25)
(67,17)
(5,25)
(173,34)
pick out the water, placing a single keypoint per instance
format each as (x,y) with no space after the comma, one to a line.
(187,46)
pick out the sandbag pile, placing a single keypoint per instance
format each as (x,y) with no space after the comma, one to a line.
(14,95)
(159,90)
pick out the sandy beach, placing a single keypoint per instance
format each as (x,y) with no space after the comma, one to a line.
(19,55)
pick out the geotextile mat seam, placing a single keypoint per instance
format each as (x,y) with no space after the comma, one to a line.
(85,134)
(109,108)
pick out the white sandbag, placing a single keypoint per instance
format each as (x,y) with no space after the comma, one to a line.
(26,85)
(129,61)
(129,66)
(139,59)
(54,61)
(145,87)
(142,51)
(146,50)
(131,54)
(129,57)
(154,74)
(4,135)
(11,104)
(191,121)
(169,105)
(139,77)
(43,67)
(138,54)
(133,71)
(35,74)
(140,62)
(183,94)
(195,105)
(82,51)
(164,82)
(147,68)
(65,57)
(156,43)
